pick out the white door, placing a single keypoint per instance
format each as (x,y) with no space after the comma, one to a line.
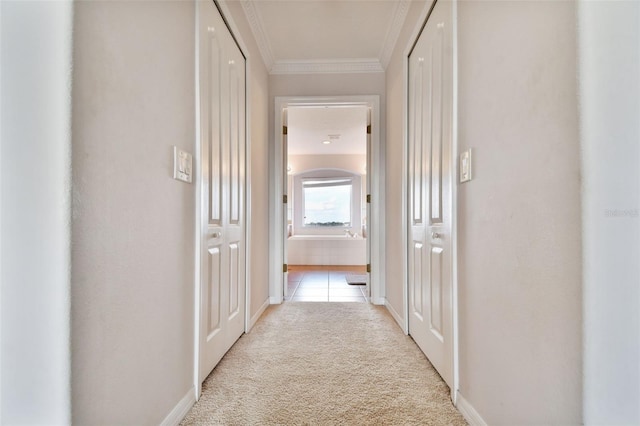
(285,202)
(430,180)
(222,174)
(367,213)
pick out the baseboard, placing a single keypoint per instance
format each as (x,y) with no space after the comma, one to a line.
(274,300)
(468,412)
(396,316)
(256,317)
(378,301)
(181,409)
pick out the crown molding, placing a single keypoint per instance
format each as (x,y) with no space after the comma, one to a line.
(330,66)
(257,28)
(399,16)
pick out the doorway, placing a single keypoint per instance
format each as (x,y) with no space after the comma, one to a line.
(326,215)
(370,210)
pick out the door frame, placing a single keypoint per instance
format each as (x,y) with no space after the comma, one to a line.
(375,223)
(422,21)
(197,160)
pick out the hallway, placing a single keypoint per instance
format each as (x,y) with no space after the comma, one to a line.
(324,363)
(103,254)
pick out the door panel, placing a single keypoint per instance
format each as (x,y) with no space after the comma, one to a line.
(213,159)
(222,120)
(234,277)
(213,290)
(435,300)
(430,177)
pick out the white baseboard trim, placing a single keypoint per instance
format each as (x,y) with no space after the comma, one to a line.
(468,412)
(396,316)
(274,300)
(256,317)
(181,409)
(378,301)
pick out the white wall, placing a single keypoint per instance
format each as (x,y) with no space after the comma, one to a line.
(610,129)
(133,224)
(520,287)
(35,172)
(355,163)
(258,104)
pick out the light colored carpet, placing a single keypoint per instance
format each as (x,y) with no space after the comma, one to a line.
(324,364)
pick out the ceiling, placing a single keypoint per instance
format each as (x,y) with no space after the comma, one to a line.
(344,126)
(325,36)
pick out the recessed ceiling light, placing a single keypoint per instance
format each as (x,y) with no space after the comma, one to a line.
(327,142)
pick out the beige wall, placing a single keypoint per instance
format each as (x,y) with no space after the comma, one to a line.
(258,105)
(519,220)
(133,232)
(519,236)
(133,224)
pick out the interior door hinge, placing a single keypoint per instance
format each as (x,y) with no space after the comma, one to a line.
(369,129)
(284,199)
(368,198)
(284,130)
(368,267)
(285,267)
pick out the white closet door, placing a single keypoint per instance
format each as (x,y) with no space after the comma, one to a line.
(222,174)
(431,177)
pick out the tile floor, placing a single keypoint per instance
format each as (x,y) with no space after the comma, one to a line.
(324,284)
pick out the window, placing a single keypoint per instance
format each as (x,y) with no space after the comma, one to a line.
(327,202)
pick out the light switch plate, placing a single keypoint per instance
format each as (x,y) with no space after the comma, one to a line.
(465,166)
(182,165)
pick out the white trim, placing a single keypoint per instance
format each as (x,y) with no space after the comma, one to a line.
(1,232)
(198,238)
(274,300)
(454,209)
(399,16)
(380,301)
(257,28)
(256,317)
(396,316)
(468,412)
(181,409)
(276,172)
(247,196)
(328,66)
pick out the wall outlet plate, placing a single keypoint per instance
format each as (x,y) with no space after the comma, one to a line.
(182,165)
(465,166)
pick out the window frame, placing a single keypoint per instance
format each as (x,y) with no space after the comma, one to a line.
(357,201)
(339,179)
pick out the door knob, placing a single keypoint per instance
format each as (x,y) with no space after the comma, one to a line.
(435,235)
(216,235)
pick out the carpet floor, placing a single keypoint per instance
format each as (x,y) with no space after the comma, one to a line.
(324,364)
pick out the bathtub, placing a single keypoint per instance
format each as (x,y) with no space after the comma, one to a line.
(326,250)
